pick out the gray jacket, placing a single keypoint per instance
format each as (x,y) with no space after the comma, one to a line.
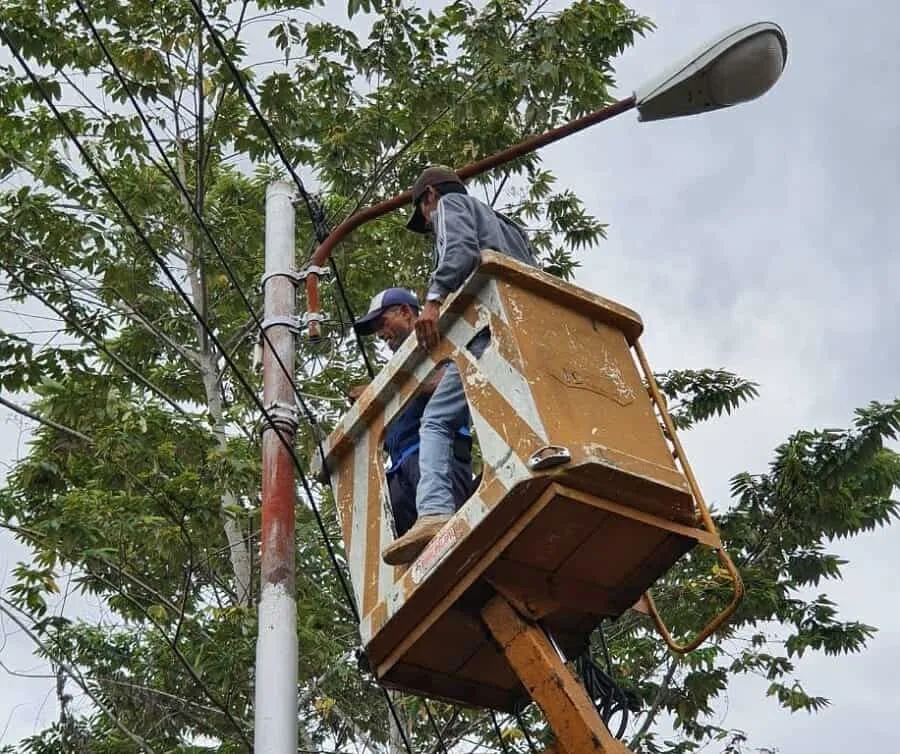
(463,226)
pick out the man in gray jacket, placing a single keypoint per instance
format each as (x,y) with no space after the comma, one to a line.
(462,227)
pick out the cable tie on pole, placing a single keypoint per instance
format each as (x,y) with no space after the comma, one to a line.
(281,416)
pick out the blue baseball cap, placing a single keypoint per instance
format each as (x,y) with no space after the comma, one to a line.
(389,297)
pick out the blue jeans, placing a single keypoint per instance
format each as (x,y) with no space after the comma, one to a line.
(444,414)
(404,480)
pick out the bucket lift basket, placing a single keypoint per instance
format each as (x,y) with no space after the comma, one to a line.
(586,497)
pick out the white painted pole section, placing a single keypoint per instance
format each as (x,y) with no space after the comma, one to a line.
(275,729)
(276,673)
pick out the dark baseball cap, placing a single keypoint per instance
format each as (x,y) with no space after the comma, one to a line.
(389,297)
(431,176)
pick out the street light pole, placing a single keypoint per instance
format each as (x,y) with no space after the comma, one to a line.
(275,709)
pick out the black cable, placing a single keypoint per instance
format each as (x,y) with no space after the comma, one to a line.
(168,273)
(437,730)
(174,177)
(239,376)
(130,370)
(318,218)
(177,182)
(98,343)
(607,696)
(315,212)
(343,295)
(313,205)
(500,739)
(524,728)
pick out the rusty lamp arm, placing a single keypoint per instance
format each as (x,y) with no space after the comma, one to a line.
(469,171)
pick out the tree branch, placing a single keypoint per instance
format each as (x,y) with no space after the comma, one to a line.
(46,422)
(7,608)
(654,708)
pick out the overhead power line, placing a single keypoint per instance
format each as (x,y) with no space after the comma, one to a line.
(161,263)
(96,342)
(179,184)
(313,205)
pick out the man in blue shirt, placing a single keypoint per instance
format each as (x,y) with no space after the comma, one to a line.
(392,317)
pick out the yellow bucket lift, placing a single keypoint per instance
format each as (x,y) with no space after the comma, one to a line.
(586,500)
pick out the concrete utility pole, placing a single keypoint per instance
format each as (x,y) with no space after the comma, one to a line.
(276,647)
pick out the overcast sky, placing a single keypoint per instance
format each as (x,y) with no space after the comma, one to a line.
(760,239)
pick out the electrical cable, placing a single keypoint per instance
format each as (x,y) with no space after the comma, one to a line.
(313,205)
(317,216)
(607,696)
(168,273)
(130,370)
(343,295)
(500,739)
(177,182)
(321,230)
(524,728)
(192,308)
(315,211)
(98,343)
(437,730)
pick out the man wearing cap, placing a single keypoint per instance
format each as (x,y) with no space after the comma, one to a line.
(392,316)
(462,227)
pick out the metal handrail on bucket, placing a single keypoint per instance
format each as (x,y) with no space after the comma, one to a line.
(723,557)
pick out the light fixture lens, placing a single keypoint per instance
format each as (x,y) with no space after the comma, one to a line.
(747,70)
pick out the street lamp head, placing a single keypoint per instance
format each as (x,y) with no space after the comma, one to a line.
(737,67)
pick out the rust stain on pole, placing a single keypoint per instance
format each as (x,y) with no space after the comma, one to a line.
(277,528)
(275,709)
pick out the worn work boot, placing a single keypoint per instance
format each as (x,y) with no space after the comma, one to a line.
(407,548)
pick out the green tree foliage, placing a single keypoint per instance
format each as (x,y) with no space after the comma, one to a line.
(821,486)
(141,484)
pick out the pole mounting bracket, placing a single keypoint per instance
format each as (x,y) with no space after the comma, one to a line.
(292,323)
(280,415)
(291,275)
(314,269)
